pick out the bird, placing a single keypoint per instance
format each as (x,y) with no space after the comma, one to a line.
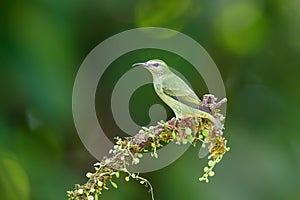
(176,93)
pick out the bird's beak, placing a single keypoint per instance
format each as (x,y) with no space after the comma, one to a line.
(140,64)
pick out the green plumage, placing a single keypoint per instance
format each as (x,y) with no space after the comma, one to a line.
(176,93)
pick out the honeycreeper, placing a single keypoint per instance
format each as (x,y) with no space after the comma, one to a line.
(176,93)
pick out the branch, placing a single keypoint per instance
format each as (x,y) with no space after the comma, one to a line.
(128,151)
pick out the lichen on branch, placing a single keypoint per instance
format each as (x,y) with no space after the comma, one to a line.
(129,151)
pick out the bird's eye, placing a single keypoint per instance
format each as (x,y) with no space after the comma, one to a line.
(155,64)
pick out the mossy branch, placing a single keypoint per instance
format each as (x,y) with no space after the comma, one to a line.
(128,151)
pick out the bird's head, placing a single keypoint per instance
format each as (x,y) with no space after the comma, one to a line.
(156,67)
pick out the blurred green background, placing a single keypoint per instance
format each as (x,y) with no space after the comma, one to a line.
(255,44)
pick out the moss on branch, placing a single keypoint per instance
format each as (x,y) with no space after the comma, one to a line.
(129,151)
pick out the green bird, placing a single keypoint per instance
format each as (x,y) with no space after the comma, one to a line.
(176,93)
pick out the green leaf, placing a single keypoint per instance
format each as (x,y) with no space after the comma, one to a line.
(114,184)
(13,179)
(205,132)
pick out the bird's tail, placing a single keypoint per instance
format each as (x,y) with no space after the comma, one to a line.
(217,123)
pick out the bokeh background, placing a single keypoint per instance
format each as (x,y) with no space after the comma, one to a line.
(255,44)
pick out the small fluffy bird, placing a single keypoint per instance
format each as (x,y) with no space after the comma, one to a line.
(176,93)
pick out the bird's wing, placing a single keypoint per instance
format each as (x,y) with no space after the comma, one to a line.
(177,89)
